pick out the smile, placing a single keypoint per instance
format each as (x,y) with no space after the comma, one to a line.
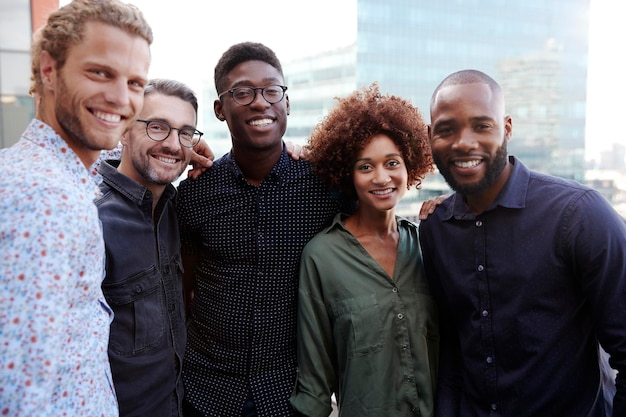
(166,160)
(260,122)
(382,192)
(107,117)
(467,164)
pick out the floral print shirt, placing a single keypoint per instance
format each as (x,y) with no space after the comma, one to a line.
(54,321)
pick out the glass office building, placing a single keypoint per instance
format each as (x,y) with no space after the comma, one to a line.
(536,49)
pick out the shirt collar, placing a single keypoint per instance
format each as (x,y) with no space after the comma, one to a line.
(128,187)
(340,217)
(278,173)
(41,134)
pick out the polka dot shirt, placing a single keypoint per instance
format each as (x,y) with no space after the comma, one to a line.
(54,322)
(242,332)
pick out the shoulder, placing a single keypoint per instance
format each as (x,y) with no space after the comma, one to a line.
(222,171)
(325,240)
(406,223)
(548,189)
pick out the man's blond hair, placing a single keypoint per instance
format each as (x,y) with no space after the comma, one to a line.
(65,27)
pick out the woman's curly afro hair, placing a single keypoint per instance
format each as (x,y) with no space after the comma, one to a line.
(337,140)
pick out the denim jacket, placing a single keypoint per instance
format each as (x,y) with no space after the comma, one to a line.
(143,286)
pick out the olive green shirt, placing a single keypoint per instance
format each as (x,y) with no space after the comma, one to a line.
(370,339)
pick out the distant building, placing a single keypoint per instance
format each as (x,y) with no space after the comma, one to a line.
(614,159)
(314,82)
(536,49)
(18,20)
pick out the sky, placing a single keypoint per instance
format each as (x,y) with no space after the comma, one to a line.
(188,40)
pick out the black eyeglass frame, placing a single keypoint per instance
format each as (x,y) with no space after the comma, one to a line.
(194,141)
(231,91)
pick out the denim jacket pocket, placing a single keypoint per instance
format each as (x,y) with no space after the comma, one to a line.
(139,308)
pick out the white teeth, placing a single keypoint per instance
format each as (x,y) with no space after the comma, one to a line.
(107,117)
(166,160)
(382,192)
(261,122)
(467,164)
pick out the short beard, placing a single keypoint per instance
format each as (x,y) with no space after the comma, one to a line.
(67,116)
(494,168)
(142,164)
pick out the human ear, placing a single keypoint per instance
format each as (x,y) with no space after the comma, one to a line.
(47,70)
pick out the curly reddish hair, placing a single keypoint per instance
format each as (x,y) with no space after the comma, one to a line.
(338,139)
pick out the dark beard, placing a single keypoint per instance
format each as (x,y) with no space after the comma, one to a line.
(495,167)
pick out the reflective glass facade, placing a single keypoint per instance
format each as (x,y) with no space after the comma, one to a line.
(536,49)
(16,106)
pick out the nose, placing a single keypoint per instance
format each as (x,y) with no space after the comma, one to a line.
(465,142)
(259,100)
(117,92)
(381,177)
(172,141)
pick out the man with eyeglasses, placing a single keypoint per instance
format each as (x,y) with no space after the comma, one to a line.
(244,223)
(143,283)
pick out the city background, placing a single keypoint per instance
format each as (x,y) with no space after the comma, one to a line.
(554,59)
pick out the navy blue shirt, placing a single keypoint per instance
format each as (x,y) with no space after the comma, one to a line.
(143,286)
(526,290)
(242,329)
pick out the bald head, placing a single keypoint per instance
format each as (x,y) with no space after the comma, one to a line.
(467,77)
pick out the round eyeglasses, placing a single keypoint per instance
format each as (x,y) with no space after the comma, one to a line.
(158,131)
(246,95)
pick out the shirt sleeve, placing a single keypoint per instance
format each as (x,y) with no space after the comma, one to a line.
(35,277)
(316,371)
(596,241)
(188,241)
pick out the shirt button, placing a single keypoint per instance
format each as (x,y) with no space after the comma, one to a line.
(489,359)
(137,289)
(485,313)
(494,407)
(395,289)
(481,268)
(478,223)
(400,316)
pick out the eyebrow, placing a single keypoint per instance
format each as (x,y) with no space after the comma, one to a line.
(160,119)
(453,121)
(389,155)
(247,83)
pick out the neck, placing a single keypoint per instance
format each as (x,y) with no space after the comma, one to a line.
(87,156)
(156,189)
(375,223)
(479,202)
(256,164)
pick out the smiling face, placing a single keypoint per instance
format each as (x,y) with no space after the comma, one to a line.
(468,136)
(258,125)
(93,99)
(158,163)
(379,175)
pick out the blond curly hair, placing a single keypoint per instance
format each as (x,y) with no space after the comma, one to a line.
(65,28)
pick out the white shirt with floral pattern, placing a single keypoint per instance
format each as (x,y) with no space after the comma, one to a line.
(54,321)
